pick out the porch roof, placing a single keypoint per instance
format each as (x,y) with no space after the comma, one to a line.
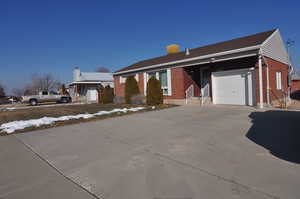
(252,42)
(103,83)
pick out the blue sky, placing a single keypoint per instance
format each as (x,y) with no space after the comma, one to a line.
(55,36)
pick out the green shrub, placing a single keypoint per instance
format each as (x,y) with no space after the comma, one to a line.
(108,95)
(154,92)
(131,89)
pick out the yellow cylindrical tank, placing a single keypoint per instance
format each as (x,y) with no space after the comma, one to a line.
(173,48)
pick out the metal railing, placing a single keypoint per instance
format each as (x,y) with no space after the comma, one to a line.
(189,93)
(282,98)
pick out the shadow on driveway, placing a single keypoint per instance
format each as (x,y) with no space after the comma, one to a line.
(277,131)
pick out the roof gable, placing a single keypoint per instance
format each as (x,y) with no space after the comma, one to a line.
(274,48)
(234,44)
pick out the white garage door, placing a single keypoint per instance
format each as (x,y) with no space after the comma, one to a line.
(233,87)
(92,95)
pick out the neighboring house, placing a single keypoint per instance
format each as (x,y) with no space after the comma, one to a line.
(295,83)
(223,73)
(85,85)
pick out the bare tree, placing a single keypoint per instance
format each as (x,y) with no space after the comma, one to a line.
(102,69)
(18,92)
(43,82)
(2,91)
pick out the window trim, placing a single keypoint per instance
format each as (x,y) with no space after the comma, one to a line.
(278,78)
(146,78)
(122,80)
(136,76)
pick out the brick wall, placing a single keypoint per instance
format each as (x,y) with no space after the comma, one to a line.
(177,84)
(295,85)
(180,81)
(274,66)
(119,88)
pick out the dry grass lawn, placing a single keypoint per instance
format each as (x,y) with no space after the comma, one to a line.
(57,111)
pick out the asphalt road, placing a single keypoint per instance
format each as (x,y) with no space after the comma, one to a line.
(183,152)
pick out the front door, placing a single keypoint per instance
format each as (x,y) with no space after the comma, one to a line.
(92,95)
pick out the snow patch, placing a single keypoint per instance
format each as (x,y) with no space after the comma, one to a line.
(10,108)
(11,127)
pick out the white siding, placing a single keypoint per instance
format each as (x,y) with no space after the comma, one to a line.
(274,48)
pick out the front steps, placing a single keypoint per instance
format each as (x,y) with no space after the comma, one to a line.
(191,101)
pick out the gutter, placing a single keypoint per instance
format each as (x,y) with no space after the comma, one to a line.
(191,59)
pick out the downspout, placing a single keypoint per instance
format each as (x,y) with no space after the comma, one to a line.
(268,82)
(261,99)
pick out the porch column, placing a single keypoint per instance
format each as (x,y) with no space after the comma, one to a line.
(261,99)
(201,85)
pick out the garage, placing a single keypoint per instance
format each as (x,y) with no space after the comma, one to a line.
(234,87)
(92,95)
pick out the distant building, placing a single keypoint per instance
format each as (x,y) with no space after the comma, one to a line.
(295,83)
(85,84)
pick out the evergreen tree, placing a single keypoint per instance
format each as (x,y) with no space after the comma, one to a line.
(131,89)
(154,92)
(2,91)
(108,95)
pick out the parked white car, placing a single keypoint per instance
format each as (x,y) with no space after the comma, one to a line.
(45,96)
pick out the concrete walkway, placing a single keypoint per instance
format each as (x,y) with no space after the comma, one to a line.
(183,152)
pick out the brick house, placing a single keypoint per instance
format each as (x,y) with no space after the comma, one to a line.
(251,70)
(295,83)
(295,86)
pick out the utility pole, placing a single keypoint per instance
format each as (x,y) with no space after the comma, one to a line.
(289,44)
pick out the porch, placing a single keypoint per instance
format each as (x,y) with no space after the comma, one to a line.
(84,92)
(226,82)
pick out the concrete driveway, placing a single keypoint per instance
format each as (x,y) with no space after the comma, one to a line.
(184,152)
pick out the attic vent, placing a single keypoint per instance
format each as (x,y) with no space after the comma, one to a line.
(173,48)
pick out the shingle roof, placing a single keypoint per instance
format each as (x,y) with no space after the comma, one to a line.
(243,42)
(95,76)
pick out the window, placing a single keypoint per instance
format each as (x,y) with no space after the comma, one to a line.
(278,81)
(122,80)
(44,93)
(164,76)
(53,93)
(152,74)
